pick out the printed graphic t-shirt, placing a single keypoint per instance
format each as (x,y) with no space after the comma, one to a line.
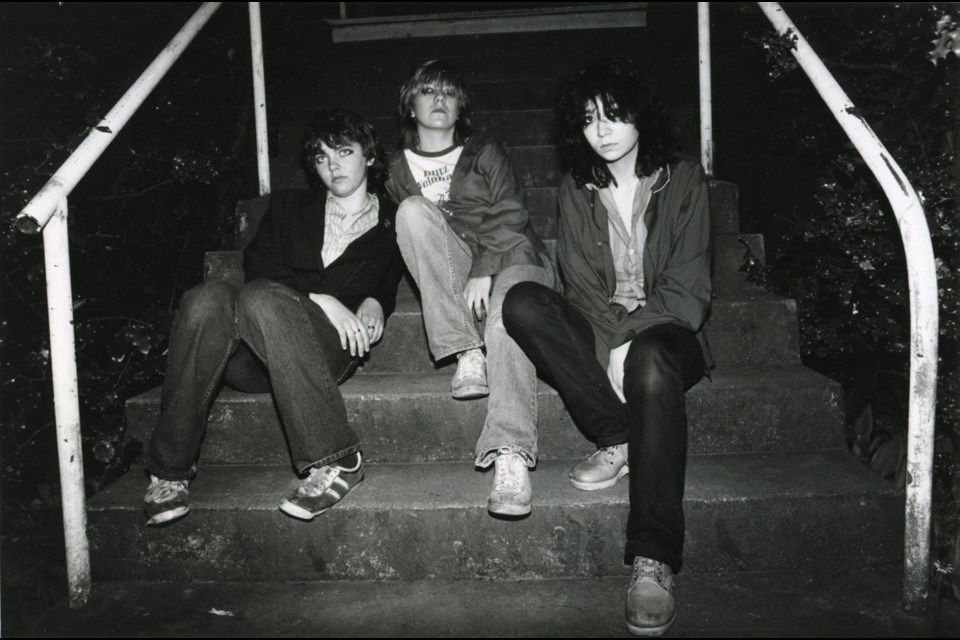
(433,172)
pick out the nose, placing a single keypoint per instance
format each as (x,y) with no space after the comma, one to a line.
(440,97)
(603,127)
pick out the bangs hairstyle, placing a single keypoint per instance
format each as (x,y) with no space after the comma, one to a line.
(339,128)
(441,74)
(616,83)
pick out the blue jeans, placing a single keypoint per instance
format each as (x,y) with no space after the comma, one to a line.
(662,363)
(260,337)
(440,263)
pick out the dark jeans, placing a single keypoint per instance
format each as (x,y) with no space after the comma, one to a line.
(261,337)
(662,363)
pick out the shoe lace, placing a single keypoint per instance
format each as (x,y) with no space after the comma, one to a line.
(318,481)
(645,568)
(161,490)
(471,364)
(609,454)
(509,471)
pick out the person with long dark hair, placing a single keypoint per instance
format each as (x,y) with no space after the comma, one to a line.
(465,235)
(624,342)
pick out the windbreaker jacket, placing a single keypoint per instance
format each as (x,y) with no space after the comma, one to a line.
(487,207)
(676,258)
(289,243)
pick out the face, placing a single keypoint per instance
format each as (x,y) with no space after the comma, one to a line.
(436,106)
(612,140)
(344,169)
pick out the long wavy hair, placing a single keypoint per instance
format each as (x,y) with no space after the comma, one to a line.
(442,74)
(616,83)
(340,127)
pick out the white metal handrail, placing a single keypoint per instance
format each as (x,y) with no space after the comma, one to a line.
(47,212)
(922,280)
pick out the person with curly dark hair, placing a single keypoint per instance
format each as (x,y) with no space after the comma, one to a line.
(322,274)
(624,342)
(464,231)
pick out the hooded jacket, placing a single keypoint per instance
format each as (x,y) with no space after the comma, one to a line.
(676,258)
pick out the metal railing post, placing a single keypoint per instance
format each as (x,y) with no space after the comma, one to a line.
(63,362)
(924,320)
(706,89)
(259,98)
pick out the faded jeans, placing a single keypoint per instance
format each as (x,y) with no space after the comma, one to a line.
(260,337)
(440,264)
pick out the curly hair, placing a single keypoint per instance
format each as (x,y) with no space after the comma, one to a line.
(340,127)
(616,83)
(443,74)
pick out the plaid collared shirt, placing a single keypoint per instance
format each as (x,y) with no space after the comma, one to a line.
(342,228)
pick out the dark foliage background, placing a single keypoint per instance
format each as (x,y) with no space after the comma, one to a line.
(836,247)
(161,195)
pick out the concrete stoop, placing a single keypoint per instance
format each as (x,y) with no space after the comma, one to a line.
(744,512)
(860,603)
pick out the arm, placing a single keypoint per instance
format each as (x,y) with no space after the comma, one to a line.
(580,259)
(505,220)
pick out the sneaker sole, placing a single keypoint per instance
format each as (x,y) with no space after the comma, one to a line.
(168,516)
(596,486)
(651,632)
(470,393)
(509,509)
(298,512)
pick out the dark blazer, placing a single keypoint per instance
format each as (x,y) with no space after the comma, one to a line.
(289,244)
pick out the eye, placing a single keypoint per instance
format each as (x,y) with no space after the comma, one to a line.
(588,119)
(320,158)
(426,91)
(450,92)
(345,151)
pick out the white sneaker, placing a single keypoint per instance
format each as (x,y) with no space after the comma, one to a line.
(511,494)
(470,381)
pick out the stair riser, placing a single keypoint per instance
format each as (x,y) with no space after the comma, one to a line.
(799,534)
(430,426)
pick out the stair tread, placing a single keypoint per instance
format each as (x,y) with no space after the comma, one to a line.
(454,485)
(756,604)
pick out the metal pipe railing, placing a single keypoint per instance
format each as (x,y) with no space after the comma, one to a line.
(47,212)
(63,362)
(259,98)
(922,280)
(41,208)
(706,89)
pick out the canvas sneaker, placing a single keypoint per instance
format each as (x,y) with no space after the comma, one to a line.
(166,500)
(470,381)
(651,607)
(602,469)
(322,489)
(511,494)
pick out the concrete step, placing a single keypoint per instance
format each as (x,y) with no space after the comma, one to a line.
(755,512)
(752,328)
(412,418)
(858,603)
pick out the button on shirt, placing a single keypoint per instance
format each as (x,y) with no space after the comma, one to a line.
(342,227)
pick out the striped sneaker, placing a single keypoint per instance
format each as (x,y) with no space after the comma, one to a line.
(322,489)
(166,500)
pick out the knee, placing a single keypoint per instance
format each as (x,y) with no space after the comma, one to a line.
(651,368)
(413,212)
(523,307)
(210,301)
(262,301)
